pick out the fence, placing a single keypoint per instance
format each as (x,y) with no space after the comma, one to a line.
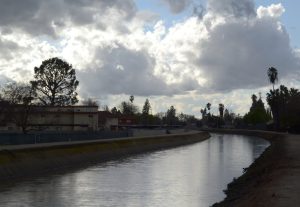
(17,139)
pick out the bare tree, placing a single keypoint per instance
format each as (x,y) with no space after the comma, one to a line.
(90,102)
(18,99)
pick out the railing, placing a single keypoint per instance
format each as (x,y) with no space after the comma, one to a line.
(34,138)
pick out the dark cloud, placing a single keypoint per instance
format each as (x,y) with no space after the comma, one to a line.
(177,6)
(123,71)
(38,17)
(237,55)
(226,55)
(7,48)
(237,8)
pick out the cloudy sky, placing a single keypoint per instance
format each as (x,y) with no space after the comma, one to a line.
(175,52)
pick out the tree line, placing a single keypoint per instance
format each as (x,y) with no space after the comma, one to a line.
(145,116)
(281,114)
(54,84)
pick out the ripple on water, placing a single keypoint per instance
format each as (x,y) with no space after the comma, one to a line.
(193,175)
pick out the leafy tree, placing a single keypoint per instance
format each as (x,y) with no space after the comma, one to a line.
(127,108)
(186,118)
(115,111)
(208,105)
(257,114)
(171,115)
(273,75)
(160,118)
(285,107)
(227,116)
(221,110)
(131,99)
(90,102)
(146,107)
(55,83)
(145,117)
(203,112)
(254,100)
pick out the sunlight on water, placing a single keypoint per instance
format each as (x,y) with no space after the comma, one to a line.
(187,176)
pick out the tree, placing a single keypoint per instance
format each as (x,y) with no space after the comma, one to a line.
(203,112)
(221,110)
(254,99)
(146,118)
(257,113)
(186,118)
(146,107)
(55,83)
(208,105)
(171,115)
(115,111)
(127,108)
(90,102)
(160,118)
(285,107)
(17,93)
(273,75)
(131,99)
(226,116)
(18,98)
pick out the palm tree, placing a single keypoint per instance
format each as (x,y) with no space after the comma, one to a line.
(131,98)
(273,75)
(208,105)
(221,110)
(202,112)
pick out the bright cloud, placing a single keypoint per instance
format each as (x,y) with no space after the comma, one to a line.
(117,49)
(274,10)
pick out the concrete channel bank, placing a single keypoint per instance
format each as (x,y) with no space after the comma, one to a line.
(31,160)
(273,179)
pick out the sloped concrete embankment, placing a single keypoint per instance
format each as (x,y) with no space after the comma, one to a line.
(28,161)
(273,179)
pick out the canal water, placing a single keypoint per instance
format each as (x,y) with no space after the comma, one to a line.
(187,176)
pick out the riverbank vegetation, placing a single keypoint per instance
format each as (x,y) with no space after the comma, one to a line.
(282,112)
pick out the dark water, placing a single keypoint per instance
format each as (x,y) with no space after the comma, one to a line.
(193,175)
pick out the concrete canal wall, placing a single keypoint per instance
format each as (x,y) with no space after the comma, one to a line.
(30,160)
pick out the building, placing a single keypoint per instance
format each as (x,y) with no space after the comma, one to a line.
(127,120)
(107,121)
(50,118)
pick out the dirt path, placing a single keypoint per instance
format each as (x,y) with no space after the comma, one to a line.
(273,179)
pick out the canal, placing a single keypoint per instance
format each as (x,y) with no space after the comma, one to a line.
(193,175)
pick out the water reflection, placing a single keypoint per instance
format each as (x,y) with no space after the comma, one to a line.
(193,175)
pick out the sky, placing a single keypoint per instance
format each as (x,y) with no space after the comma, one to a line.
(175,52)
